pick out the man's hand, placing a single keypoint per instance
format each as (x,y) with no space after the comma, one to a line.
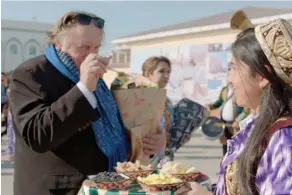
(153,143)
(92,68)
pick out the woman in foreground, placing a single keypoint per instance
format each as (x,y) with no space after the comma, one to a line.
(259,157)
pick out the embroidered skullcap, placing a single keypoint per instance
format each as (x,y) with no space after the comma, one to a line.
(275,39)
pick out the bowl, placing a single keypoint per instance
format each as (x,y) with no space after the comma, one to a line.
(161,187)
(135,174)
(113,185)
(188,177)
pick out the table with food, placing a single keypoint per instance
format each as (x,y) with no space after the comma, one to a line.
(141,113)
(138,179)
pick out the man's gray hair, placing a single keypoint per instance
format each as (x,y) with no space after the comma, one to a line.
(65,22)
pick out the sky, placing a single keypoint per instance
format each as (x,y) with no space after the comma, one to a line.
(127,17)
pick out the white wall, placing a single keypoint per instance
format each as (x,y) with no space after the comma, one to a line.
(188,81)
(20,44)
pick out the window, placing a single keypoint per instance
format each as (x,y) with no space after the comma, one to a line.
(128,56)
(13,49)
(114,57)
(122,57)
(32,51)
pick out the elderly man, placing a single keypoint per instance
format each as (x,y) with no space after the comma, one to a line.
(67,124)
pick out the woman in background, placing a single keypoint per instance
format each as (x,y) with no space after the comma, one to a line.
(157,70)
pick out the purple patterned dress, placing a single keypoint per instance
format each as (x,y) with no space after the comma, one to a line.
(274,174)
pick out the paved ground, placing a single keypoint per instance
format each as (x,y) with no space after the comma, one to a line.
(203,154)
(6,169)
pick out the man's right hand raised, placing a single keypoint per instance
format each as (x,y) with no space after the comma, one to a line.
(92,68)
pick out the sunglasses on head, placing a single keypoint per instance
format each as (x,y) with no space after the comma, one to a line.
(86,19)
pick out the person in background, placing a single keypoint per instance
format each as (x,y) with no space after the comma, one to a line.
(4,106)
(158,70)
(4,85)
(67,124)
(230,114)
(155,70)
(10,130)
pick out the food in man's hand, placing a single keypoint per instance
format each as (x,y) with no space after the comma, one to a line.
(143,82)
(172,167)
(123,77)
(108,177)
(132,167)
(125,81)
(132,98)
(159,179)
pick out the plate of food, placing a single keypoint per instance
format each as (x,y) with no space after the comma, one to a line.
(110,180)
(134,170)
(160,182)
(179,171)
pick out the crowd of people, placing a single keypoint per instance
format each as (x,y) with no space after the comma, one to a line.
(67,124)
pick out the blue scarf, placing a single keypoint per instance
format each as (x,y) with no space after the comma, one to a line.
(110,133)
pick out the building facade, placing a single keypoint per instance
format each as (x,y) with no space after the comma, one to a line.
(199,51)
(21,40)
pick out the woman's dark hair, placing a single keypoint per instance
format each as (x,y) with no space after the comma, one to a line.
(275,103)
